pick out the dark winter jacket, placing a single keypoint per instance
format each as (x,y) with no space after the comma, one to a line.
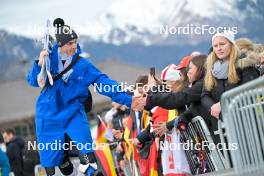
(246,72)
(14,152)
(189,96)
(175,100)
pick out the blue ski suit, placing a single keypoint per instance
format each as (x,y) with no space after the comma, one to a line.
(60,110)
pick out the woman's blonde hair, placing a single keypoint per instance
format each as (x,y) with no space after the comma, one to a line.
(261,54)
(233,78)
(245,43)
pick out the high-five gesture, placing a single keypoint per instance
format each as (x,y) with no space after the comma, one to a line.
(138,103)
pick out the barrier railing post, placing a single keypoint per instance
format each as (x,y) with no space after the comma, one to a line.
(243,118)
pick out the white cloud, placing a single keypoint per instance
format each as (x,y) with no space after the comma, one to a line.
(16,15)
(98,18)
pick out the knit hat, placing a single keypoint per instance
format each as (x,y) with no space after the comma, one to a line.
(229,35)
(195,53)
(170,73)
(184,62)
(63,33)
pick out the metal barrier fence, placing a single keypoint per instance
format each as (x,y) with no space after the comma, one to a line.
(205,159)
(243,119)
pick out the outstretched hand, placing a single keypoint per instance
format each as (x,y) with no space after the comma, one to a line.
(160,128)
(138,103)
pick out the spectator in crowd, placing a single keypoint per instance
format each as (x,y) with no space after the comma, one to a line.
(15,146)
(121,111)
(259,48)
(175,80)
(188,96)
(224,71)
(247,52)
(163,99)
(139,89)
(109,115)
(113,117)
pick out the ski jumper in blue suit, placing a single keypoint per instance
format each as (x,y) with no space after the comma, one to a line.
(4,164)
(60,110)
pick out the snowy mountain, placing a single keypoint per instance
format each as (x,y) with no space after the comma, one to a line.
(15,55)
(18,54)
(130,32)
(143,24)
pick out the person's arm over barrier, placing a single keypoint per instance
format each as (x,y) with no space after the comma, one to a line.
(207,100)
(175,100)
(186,116)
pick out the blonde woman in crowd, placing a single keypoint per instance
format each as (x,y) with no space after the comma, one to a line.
(224,71)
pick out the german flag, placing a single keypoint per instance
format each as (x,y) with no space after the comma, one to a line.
(144,119)
(105,156)
(127,137)
(134,133)
(153,164)
(129,133)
